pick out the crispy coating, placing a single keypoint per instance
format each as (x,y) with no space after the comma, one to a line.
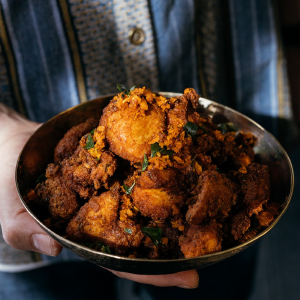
(97,220)
(157,193)
(86,174)
(68,144)
(255,188)
(167,166)
(215,194)
(131,131)
(266,217)
(63,202)
(200,240)
(240,223)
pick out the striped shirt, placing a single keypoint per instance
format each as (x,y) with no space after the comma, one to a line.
(55,54)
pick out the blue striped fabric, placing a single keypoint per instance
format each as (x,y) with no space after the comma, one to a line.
(67,51)
(255,56)
(175,33)
(43,61)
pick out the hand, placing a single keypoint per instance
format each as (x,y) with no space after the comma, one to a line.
(19,229)
(187,279)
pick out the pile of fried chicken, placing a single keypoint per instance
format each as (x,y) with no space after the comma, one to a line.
(155,178)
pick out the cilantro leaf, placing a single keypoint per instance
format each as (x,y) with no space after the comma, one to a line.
(145,163)
(122,88)
(156,148)
(128,230)
(227,127)
(165,151)
(93,131)
(191,129)
(128,189)
(89,142)
(105,249)
(154,233)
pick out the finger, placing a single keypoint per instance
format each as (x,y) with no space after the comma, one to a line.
(186,279)
(24,233)
(19,229)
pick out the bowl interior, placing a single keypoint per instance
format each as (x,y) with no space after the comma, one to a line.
(38,153)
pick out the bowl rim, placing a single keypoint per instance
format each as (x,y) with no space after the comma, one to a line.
(228,251)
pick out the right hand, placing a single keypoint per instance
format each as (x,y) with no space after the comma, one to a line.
(19,229)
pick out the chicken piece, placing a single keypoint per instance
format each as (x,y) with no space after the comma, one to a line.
(159,193)
(133,124)
(200,240)
(215,196)
(266,217)
(86,174)
(63,202)
(97,220)
(251,233)
(240,223)
(255,188)
(68,144)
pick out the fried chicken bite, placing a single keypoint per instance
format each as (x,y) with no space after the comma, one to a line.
(97,220)
(63,203)
(215,194)
(159,194)
(255,188)
(86,174)
(200,240)
(133,123)
(240,223)
(68,144)
(268,215)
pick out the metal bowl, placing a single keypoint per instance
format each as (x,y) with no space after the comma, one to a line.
(38,152)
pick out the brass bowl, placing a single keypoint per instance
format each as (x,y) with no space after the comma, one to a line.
(38,153)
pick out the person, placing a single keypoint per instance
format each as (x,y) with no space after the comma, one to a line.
(56,54)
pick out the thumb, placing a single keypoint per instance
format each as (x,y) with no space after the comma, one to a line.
(22,232)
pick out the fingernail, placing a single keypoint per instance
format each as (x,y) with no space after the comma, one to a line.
(42,243)
(187,287)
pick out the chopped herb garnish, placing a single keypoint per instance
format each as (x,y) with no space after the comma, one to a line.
(164,151)
(122,88)
(227,127)
(145,163)
(203,129)
(105,249)
(154,233)
(154,149)
(93,131)
(41,178)
(128,189)
(128,230)
(191,129)
(218,170)
(89,142)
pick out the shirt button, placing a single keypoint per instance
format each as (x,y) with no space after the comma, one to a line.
(136,36)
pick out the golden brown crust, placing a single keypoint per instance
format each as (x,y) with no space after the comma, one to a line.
(157,193)
(62,200)
(240,223)
(255,188)
(200,240)
(86,174)
(68,144)
(215,197)
(97,220)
